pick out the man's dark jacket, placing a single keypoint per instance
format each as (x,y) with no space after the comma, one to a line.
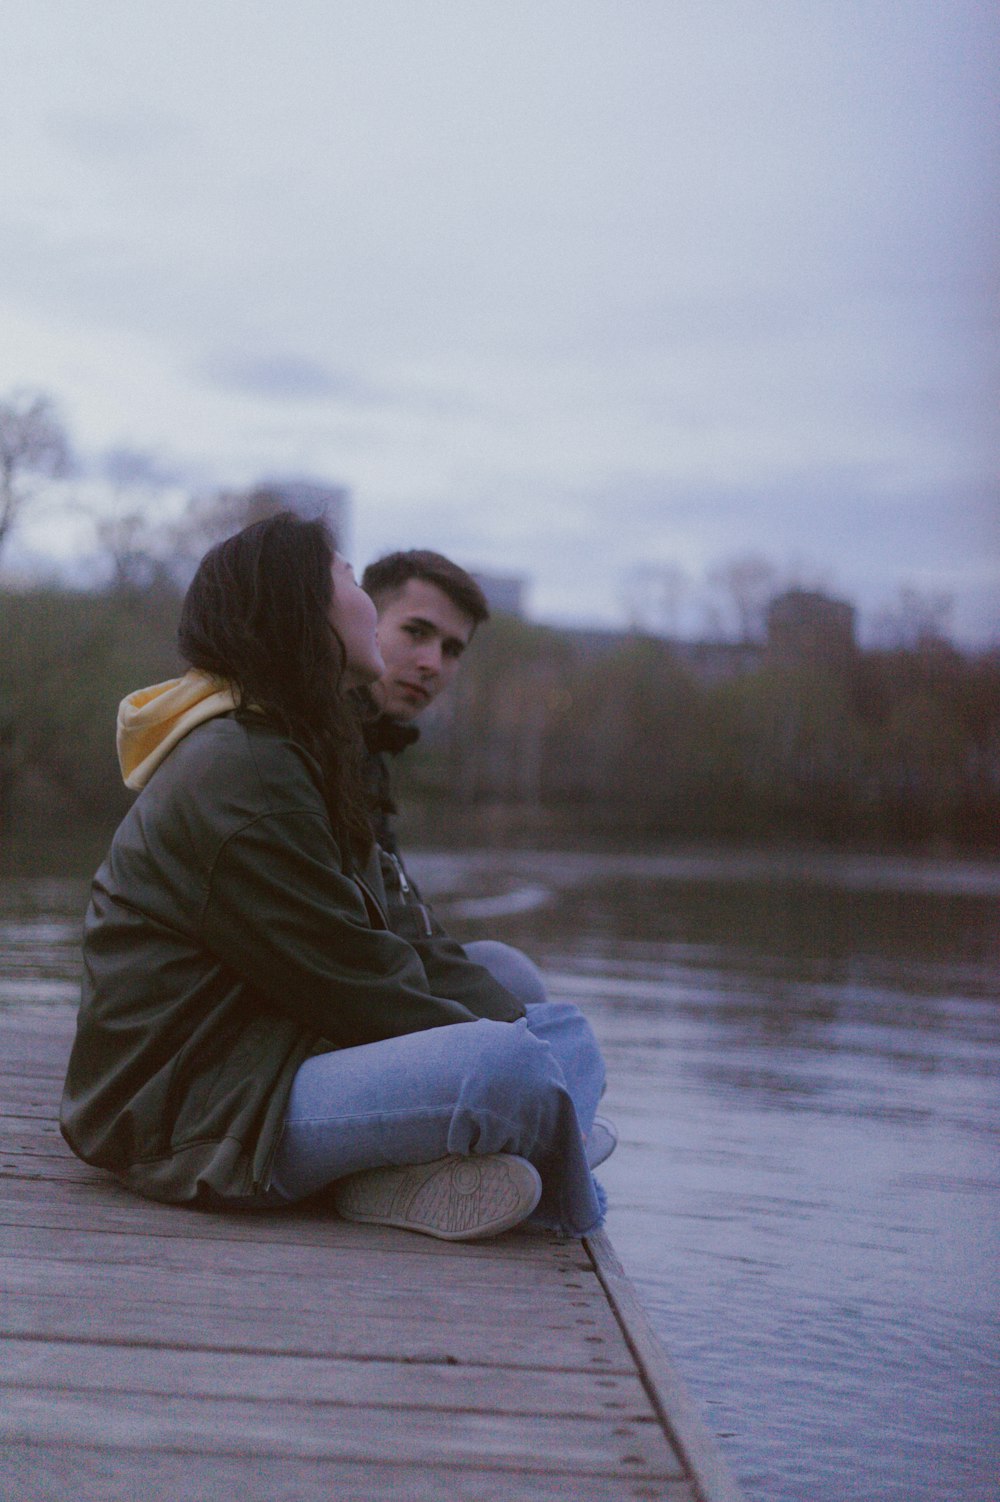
(409,915)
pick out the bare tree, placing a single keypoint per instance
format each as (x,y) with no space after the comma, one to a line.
(33,448)
(652,594)
(747,584)
(917,619)
(208,518)
(136,542)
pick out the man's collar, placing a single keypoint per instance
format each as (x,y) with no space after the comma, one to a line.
(387,734)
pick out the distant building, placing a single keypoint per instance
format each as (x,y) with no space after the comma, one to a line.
(804,624)
(706,661)
(801,625)
(504,592)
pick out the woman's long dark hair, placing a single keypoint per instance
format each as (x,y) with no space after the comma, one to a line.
(257,615)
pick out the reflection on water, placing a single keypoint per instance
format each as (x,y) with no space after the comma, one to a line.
(802,1059)
(40,924)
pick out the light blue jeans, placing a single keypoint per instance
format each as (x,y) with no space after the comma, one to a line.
(529,1087)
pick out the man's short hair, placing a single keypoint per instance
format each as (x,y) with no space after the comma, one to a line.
(387,576)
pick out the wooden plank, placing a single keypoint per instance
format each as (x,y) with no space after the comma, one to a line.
(435,1320)
(39,1052)
(54,1020)
(85,1474)
(336,1258)
(21,1075)
(20,1140)
(681,1420)
(336,1273)
(25,1104)
(97,1202)
(302,1430)
(345,1275)
(582,1316)
(393,1384)
(27,1028)
(40,1055)
(51,1167)
(39,1075)
(434,1332)
(35,1168)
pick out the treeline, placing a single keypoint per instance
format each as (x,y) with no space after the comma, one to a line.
(898,746)
(544,736)
(546,733)
(66,659)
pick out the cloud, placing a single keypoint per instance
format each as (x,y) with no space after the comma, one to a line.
(560,292)
(120,137)
(279,376)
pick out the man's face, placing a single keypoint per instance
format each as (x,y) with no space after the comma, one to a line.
(422,635)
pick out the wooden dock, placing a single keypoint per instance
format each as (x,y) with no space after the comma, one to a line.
(156,1353)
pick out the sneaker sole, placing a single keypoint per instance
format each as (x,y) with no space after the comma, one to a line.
(601,1143)
(455,1199)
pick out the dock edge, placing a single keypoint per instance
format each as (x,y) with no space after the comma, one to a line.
(710,1475)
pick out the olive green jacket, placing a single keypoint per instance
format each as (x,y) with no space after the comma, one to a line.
(225,942)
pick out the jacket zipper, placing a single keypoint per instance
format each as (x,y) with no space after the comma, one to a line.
(406,889)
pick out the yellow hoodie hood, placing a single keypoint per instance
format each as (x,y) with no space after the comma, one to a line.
(152,720)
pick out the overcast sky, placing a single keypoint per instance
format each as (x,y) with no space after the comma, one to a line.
(559,288)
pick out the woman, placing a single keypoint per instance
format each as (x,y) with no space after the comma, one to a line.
(251,1030)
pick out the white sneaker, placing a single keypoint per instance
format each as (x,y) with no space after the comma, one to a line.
(602,1141)
(456,1198)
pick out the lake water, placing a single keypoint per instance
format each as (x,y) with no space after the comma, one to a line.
(803,1057)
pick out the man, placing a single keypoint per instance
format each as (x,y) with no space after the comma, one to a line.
(429,609)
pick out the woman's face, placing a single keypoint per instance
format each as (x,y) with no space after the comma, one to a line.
(353,616)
